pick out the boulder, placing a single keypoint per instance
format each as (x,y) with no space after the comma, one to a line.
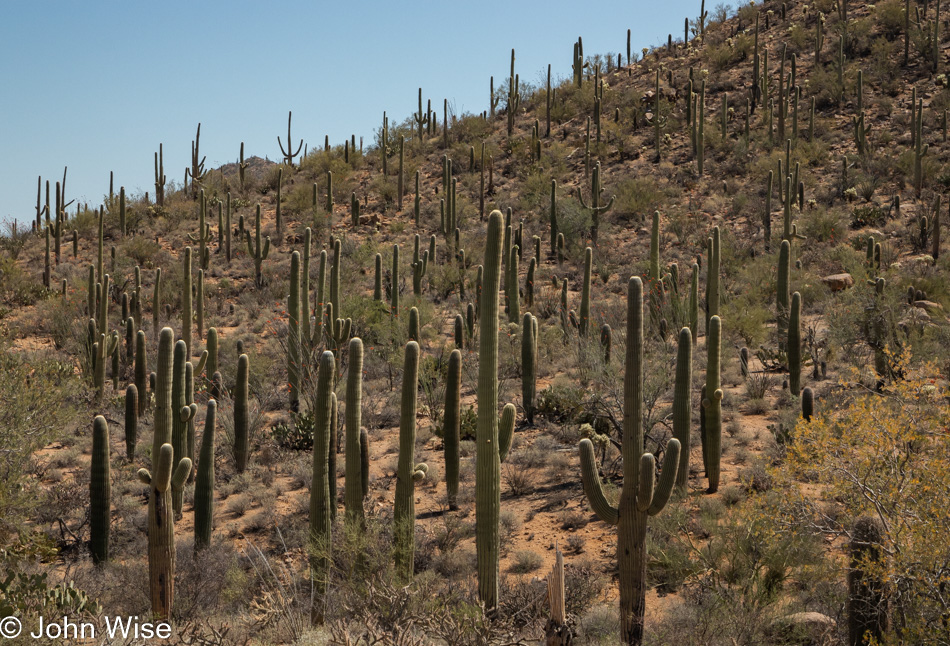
(803,628)
(838,282)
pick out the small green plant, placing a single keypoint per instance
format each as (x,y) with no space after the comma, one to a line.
(297,436)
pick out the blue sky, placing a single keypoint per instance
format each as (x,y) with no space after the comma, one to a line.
(96,86)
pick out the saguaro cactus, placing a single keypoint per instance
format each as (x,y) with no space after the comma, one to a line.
(529,364)
(288,154)
(256,249)
(100,493)
(161,526)
(639,497)
(320,502)
(492,439)
(795,345)
(682,404)
(451,426)
(182,412)
(187,311)
(867,590)
(712,404)
(354,392)
(595,207)
(404,509)
(293,334)
(241,416)
(131,419)
(585,292)
(204,482)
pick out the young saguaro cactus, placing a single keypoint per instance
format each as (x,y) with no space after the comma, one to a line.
(712,404)
(404,510)
(256,249)
(100,493)
(493,439)
(640,497)
(320,502)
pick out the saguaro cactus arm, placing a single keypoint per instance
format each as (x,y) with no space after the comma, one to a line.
(593,487)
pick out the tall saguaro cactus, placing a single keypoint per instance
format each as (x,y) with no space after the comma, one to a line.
(320,502)
(795,345)
(293,334)
(100,492)
(451,427)
(256,249)
(529,364)
(682,404)
(408,472)
(354,393)
(712,404)
(241,416)
(640,497)
(161,526)
(492,439)
(204,482)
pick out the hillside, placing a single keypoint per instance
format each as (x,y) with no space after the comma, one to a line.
(773,182)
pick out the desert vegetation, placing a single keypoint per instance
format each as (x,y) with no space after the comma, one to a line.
(654,353)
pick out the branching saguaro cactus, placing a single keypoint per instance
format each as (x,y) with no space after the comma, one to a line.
(320,502)
(595,207)
(639,497)
(493,439)
(182,412)
(100,492)
(288,154)
(161,527)
(257,250)
(404,508)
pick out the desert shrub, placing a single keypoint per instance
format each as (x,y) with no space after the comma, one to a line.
(560,402)
(854,449)
(525,562)
(29,419)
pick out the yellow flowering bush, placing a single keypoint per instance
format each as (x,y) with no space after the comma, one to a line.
(887,455)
